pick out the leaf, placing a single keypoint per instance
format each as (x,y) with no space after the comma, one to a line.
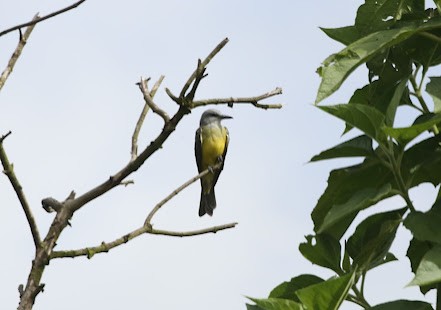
(372,239)
(429,269)
(406,134)
(325,252)
(425,226)
(336,68)
(422,162)
(390,66)
(345,35)
(393,105)
(359,146)
(253,307)
(381,94)
(366,183)
(286,290)
(424,50)
(368,119)
(275,304)
(433,88)
(417,249)
(360,200)
(327,295)
(403,305)
(376,15)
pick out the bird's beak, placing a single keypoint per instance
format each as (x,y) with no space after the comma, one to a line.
(223,116)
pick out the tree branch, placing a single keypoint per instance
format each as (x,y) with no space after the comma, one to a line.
(9,171)
(141,119)
(252,100)
(11,63)
(40,19)
(149,101)
(178,190)
(203,64)
(106,247)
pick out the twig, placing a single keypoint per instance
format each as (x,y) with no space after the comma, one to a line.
(105,247)
(252,100)
(9,171)
(16,54)
(40,19)
(149,101)
(203,64)
(200,74)
(134,151)
(177,191)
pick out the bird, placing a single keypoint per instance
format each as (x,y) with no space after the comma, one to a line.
(211,144)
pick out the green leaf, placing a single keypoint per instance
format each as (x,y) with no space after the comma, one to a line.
(393,105)
(253,307)
(372,239)
(336,68)
(276,304)
(417,249)
(425,226)
(360,200)
(424,50)
(376,15)
(325,252)
(406,134)
(359,146)
(327,295)
(403,305)
(429,269)
(345,35)
(366,183)
(383,95)
(286,290)
(390,66)
(433,88)
(422,162)
(368,119)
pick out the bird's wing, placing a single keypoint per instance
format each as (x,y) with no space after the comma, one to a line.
(218,171)
(198,149)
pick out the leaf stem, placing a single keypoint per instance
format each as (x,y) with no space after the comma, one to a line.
(417,90)
(360,297)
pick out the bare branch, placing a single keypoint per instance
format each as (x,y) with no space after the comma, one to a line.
(213,229)
(149,101)
(11,63)
(203,65)
(106,247)
(250,100)
(177,191)
(141,119)
(9,171)
(40,19)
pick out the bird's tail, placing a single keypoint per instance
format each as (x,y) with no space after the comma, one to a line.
(208,203)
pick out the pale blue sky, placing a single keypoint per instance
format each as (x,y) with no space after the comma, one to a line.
(72,104)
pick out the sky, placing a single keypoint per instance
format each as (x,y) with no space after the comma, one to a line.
(72,104)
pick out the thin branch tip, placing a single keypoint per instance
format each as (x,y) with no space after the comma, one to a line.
(2,138)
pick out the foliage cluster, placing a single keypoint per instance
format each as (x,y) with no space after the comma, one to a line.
(399,42)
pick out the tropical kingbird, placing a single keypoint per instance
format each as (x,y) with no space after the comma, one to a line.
(211,144)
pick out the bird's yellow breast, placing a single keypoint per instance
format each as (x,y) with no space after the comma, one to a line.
(213,142)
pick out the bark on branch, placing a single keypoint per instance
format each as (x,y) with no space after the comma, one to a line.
(38,19)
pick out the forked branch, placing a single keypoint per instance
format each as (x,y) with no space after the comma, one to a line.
(12,61)
(147,228)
